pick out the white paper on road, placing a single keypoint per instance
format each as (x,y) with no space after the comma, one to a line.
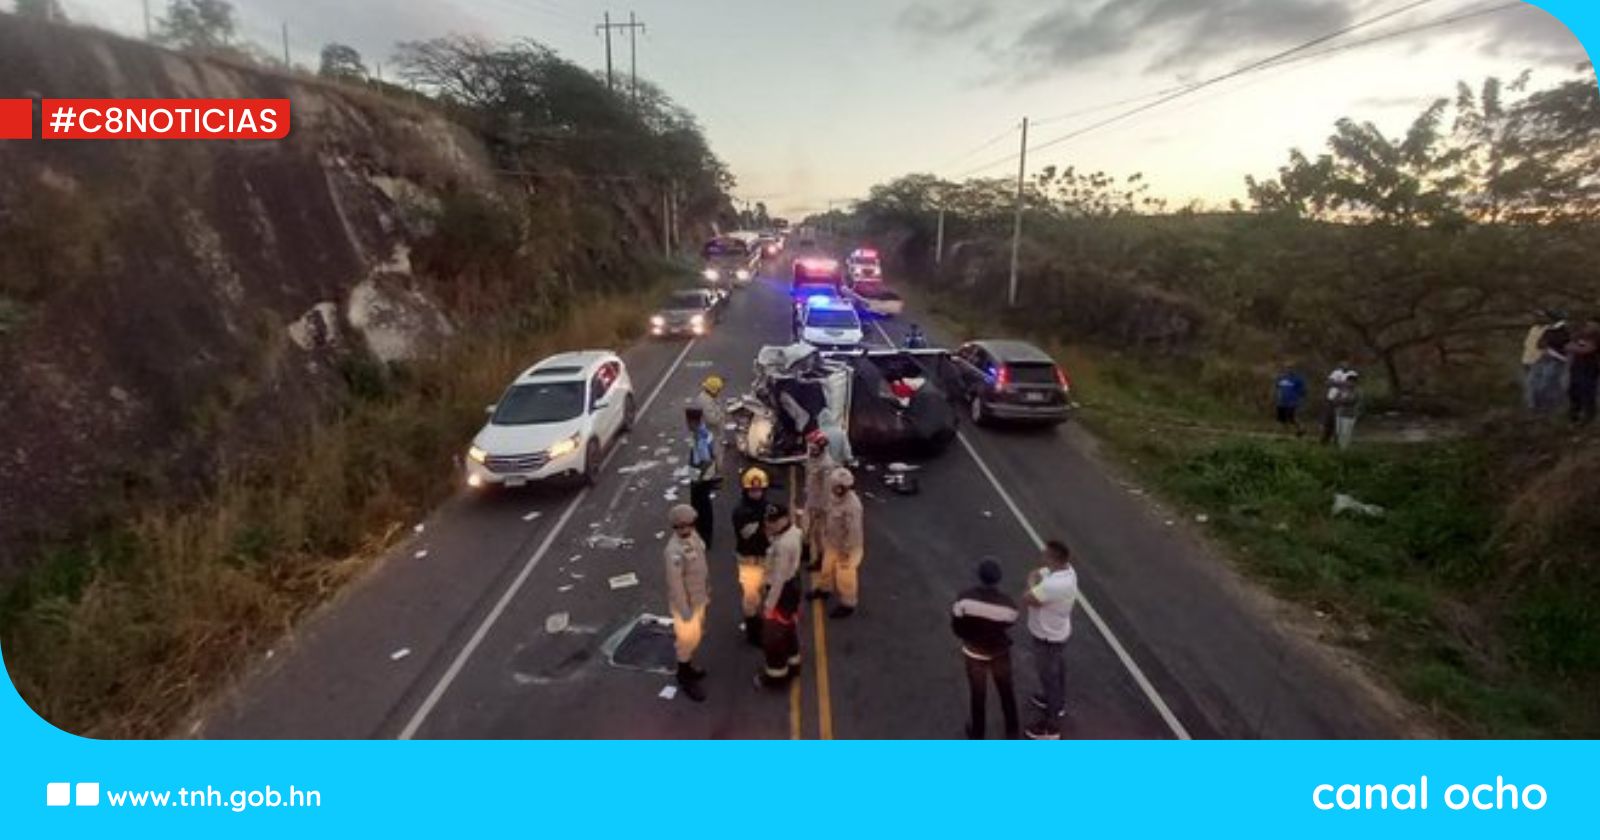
(532,515)
(624,581)
(607,541)
(668,692)
(557,622)
(638,467)
(697,364)
(421,554)
(419,529)
(565,588)
(399,654)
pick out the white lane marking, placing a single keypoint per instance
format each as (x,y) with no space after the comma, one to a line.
(1099,623)
(450,674)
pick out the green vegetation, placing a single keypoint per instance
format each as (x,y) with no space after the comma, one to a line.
(1423,259)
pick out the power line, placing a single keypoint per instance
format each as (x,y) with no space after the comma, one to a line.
(1260,64)
(980,147)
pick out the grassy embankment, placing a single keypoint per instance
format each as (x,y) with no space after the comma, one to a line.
(1470,594)
(119,634)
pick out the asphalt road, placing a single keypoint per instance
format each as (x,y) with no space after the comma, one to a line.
(446,637)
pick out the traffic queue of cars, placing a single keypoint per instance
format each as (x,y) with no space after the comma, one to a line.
(559,417)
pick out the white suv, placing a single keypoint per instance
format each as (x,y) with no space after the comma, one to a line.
(555,420)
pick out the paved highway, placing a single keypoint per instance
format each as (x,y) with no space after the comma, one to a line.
(447,636)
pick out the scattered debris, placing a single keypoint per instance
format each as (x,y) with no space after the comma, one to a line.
(1167,523)
(732,427)
(871,468)
(530,516)
(607,541)
(557,622)
(419,528)
(624,581)
(1342,503)
(638,467)
(399,654)
(668,692)
(671,495)
(660,534)
(662,450)
(574,558)
(1202,518)
(988,514)
(1281,526)
(697,364)
(575,575)
(1135,492)
(269,653)
(902,467)
(421,554)
(903,483)
(565,587)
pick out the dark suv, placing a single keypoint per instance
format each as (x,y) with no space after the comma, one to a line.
(1009,380)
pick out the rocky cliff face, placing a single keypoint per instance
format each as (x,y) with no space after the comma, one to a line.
(165,306)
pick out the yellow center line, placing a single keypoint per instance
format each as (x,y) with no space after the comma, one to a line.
(824,706)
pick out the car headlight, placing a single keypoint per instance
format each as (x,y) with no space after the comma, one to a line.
(477,454)
(564,447)
(657,321)
(742,274)
(711,274)
(697,320)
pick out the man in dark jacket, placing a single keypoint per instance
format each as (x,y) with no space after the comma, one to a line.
(982,617)
(750,548)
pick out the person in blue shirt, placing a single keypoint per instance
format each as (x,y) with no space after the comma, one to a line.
(1290,391)
(705,478)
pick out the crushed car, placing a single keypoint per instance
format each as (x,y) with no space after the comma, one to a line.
(882,404)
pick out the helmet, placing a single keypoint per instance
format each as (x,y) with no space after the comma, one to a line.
(754,477)
(681,515)
(712,384)
(842,477)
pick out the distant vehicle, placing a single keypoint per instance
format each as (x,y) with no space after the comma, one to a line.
(829,323)
(863,263)
(815,276)
(771,244)
(555,420)
(687,312)
(1001,379)
(781,226)
(730,260)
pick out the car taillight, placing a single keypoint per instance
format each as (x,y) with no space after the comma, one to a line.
(1002,379)
(1061,379)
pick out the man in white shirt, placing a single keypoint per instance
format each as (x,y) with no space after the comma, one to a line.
(1051,594)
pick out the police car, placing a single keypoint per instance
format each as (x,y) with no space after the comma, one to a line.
(829,323)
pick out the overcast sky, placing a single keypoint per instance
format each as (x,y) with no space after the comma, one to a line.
(818,100)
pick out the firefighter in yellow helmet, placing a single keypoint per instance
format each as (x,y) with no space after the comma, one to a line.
(750,547)
(709,401)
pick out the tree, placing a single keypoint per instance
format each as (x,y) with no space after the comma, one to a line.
(341,61)
(41,10)
(205,25)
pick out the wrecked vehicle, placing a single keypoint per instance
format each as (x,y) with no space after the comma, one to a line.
(882,403)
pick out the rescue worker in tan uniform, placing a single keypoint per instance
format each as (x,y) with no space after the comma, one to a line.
(688,595)
(750,547)
(843,544)
(780,637)
(819,463)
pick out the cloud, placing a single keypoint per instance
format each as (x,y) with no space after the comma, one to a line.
(939,20)
(1529,34)
(1171,36)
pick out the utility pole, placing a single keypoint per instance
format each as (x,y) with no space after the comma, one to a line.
(1016,229)
(147,20)
(610,85)
(285,43)
(633,55)
(633,26)
(938,242)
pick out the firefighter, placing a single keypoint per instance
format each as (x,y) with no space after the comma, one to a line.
(780,625)
(818,464)
(843,544)
(709,403)
(688,595)
(750,547)
(703,459)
